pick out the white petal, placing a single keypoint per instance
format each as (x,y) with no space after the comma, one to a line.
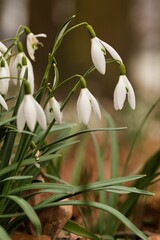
(4,82)
(23,70)
(40,35)
(131,94)
(94,103)
(3,103)
(48,112)
(30,48)
(14,66)
(30,114)
(32,43)
(3,48)
(112,51)
(41,117)
(57,110)
(83,107)
(98,56)
(30,75)
(20,117)
(119,93)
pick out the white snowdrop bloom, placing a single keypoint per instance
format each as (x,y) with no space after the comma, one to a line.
(29,113)
(4,77)
(123,89)
(53,110)
(30,75)
(4,51)
(17,70)
(3,48)
(98,51)
(85,104)
(3,103)
(32,43)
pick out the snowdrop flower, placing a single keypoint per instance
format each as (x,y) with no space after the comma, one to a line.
(98,51)
(18,69)
(3,103)
(85,104)
(123,89)
(32,43)
(53,110)
(30,112)
(4,76)
(3,48)
(4,51)
(26,65)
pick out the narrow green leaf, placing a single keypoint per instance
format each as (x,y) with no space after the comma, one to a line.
(125,190)
(103,207)
(109,182)
(56,147)
(62,30)
(29,211)
(8,120)
(3,234)
(96,186)
(79,230)
(57,188)
(54,129)
(27,162)
(90,130)
(16,178)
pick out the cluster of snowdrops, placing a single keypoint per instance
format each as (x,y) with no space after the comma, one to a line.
(16,66)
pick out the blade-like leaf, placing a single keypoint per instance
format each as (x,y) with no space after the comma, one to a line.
(27,162)
(3,234)
(103,207)
(80,231)
(57,188)
(29,211)
(86,131)
(16,178)
(62,30)
(8,120)
(125,190)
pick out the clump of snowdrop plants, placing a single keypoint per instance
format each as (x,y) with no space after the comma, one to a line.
(16,66)
(28,118)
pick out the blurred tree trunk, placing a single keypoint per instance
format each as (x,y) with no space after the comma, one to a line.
(41,22)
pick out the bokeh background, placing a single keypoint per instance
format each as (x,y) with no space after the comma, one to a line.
(132,27)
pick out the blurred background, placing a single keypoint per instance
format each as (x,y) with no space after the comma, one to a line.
(131,27)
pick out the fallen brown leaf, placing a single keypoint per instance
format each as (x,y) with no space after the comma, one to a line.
(154,237)
(25,236)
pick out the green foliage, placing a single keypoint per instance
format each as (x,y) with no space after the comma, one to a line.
(25,154)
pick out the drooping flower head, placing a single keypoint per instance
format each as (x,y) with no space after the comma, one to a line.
(3,103)
(98,51)
(4,76)
(3,48)
(18,66)
(33,42)
(122,90)
(86,103)
(53,110)
(30,112)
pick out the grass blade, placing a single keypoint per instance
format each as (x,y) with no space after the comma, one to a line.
(105,208)
(3,234)
(29,211)
(79,230)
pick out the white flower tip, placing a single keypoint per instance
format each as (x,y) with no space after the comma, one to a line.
(98,55)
